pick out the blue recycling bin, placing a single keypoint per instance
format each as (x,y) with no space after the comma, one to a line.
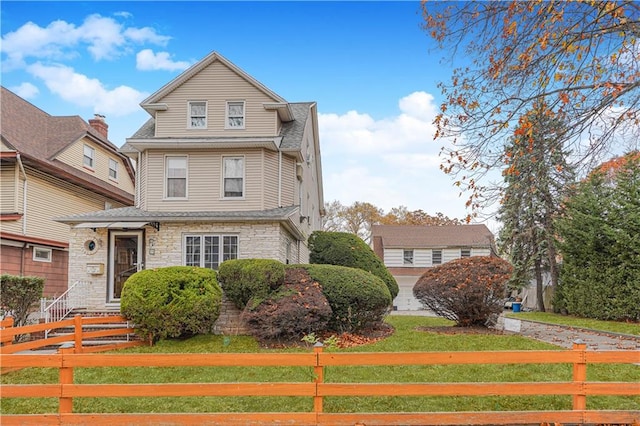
(516,306)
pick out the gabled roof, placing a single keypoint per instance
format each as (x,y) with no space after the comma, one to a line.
(38,137)
(153,102)
(415,236)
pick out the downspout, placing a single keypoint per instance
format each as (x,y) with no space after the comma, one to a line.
(24,195)
(279,178)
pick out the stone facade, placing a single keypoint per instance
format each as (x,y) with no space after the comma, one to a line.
(164,248)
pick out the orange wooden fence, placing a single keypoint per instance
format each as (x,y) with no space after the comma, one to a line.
(79,335)
(579,388)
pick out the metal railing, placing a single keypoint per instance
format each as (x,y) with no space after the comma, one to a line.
(58,309)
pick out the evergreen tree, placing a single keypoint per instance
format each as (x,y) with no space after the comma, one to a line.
(537,178)
(600,245)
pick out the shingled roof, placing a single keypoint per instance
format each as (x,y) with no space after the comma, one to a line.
(39,137)
(414,236)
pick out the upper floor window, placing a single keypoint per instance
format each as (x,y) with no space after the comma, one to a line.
(465,252)
(436,257)
(233,176)
(176,176)
(198,115)
(89,156)
(407,257)
(41,254)
(113,169)
(235,115)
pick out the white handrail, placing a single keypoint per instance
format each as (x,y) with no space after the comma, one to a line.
(75,297)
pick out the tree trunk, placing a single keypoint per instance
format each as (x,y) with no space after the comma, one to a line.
(539,285)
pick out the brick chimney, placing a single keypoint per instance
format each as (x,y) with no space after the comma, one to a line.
(98,123)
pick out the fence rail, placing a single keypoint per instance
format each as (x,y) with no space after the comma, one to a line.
(79,336)
(579,388)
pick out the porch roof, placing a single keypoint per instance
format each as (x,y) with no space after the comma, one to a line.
(132,217)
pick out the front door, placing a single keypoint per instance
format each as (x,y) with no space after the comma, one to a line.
(126,259)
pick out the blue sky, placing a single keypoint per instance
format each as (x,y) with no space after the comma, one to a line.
(370,67)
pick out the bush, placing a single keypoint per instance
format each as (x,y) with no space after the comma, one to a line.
(18,294)
(344,249)
(171,302)
(357,298)
(244,279)
(469,291)
(297,308)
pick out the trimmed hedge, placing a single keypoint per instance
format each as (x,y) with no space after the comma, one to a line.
(345,249)
(244,279)
(172,302)
(18,294)
(357,298)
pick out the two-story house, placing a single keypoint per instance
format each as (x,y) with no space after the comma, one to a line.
(52,166)
(226,169)
(409,250)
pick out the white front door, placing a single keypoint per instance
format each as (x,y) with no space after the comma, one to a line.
(126,259)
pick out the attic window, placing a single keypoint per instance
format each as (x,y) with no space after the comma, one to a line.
(235,115)
(436,257)
(198,115)
(113,169)
(408,257)
(89,156)
(465,252)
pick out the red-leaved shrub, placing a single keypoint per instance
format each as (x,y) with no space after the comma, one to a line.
(469,291)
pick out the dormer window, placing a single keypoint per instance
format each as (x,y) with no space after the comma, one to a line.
(113,169)
(197,115)
(235,115)
(89,157)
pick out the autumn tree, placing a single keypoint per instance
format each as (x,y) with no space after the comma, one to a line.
(581,57)
(537,179)
(600,244)
(358,218)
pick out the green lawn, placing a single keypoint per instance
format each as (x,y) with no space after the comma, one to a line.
(593,324)
(405,339)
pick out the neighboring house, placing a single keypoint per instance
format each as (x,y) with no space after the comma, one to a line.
(226,169)
(408,251)
(52,166)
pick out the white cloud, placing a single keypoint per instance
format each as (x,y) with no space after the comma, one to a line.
(390,162)
(146,60)
(358,133)
(104,37)
(88,92)
(25,90)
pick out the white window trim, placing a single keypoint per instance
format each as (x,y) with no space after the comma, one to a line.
(220,245)
(206,118)
(164,176)
(92,157)
(244,180)
(115,163)
(244,115)
(45,250)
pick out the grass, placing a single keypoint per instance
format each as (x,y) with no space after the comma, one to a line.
(571,321)
(406,339)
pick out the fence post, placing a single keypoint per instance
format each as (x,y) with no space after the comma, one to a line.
(77,335)
(318,371)
(66,378)
(580,375)
(8,322)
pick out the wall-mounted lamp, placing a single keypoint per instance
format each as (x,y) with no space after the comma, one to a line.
(303,218)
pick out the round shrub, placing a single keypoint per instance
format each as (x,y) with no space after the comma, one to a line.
(357,298)
(469,291)
(244,279)
(296,309)
(171,302)
(345,249)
